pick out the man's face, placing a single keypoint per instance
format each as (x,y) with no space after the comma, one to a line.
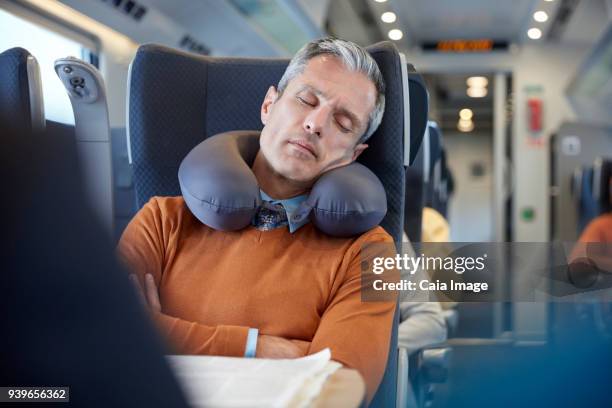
(314,126)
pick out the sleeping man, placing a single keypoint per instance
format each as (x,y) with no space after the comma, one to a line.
(277,288)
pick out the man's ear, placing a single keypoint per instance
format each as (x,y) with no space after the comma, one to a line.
(358,150)
(266,106)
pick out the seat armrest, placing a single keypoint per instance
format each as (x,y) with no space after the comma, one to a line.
(402,378)
(451,318)
(419,371)
(434,363)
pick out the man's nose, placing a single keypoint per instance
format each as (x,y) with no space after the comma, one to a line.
(315,122)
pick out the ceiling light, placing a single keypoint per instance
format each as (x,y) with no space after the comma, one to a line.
(534,33)
(466,114)
(388,17)
(549,0)
(465,125)
(540,16)
(474,92)
(380,1)
(396,34)
(477,82)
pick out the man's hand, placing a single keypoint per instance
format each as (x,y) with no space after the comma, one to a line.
(149,296)
(278,347)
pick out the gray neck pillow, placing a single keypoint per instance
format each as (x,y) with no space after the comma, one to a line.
(221,190)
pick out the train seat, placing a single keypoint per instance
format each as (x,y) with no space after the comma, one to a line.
(419,110)
(177,99)
(21,97)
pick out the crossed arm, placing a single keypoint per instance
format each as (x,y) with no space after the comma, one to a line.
(358,333)
(267,346)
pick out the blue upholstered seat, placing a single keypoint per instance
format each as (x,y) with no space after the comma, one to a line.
(21,101)
(177,99)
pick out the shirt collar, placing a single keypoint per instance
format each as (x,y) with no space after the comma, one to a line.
(292,207)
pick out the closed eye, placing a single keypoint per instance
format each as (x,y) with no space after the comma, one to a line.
(344,123)
(304,101)
(342,128)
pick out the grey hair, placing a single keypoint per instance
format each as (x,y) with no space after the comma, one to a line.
(355,58)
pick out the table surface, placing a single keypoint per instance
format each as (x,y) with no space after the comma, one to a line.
(343,389)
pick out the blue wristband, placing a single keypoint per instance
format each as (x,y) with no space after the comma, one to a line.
(251,343)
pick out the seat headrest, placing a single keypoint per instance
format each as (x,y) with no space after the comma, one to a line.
(447,174)
(21,97)
(419,110)
(435,143)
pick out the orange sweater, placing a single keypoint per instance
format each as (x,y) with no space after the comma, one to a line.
(215,285)
(598,230)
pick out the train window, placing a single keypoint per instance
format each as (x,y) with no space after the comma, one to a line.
(46,46)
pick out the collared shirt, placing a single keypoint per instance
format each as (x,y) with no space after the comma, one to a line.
(292,208)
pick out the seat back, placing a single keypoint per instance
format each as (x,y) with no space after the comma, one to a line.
(76,319)
(21,98)
(602,172)
(587,205)
(415,188)
(433,160)
(123,182)
(415,199)
(178,99)
(419,110)
(443,186)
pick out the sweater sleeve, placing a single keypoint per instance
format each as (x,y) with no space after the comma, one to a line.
(358,332)
(422,325)
(142,248)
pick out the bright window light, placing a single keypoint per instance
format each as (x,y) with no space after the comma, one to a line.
(540,16)
(388,17)
(396,34)
(46,46)
(474,92)
(534,33)
(466,114)
(477,82)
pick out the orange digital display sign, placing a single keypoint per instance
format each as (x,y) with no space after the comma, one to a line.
(465,45)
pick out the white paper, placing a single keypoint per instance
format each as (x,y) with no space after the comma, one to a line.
(210,381)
